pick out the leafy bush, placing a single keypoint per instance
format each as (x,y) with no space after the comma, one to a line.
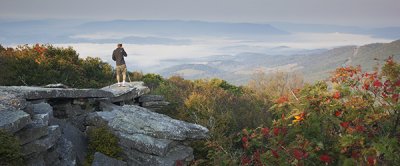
(152,80)
(351,121)
(221,107)
(10,150)
(45,64)
(101,139)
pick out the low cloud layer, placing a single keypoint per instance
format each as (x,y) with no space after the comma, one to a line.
(150,57)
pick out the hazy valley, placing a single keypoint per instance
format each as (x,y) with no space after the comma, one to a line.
(199,49)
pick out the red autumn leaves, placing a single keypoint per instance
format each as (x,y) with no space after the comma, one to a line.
(299,154)
(325,158)
(40,50)
(344,73)
(345,124)
(336,95)
(282,99)
(350,117)
(265,131)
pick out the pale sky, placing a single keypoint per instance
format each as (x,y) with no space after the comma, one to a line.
(375,13)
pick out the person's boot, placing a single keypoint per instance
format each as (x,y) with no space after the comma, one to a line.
(123,84)
(119,84)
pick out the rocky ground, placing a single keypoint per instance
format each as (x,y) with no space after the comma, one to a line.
(51,124)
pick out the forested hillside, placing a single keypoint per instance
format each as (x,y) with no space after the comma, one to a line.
(314,65)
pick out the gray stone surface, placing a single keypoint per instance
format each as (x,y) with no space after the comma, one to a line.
(78,122)
(29,134)
(13,121)
(147,98)
(10,100)
(101,159)
(44,143)
(39,108)
(155,104)
(62,154)
(138,120)
(35,160)
(148,138)
(131,91)
(177,154)
(32,93)
(145,144)
(74,135)
(40,119)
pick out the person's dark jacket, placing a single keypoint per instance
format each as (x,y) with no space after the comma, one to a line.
(118,56)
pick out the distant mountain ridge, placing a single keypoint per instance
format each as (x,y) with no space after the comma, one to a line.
(159,31)
(176,27)
(239,69)
(59,31)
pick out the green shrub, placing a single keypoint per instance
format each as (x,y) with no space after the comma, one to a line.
(45,64)
(101,139)
(152,80)
(10,150)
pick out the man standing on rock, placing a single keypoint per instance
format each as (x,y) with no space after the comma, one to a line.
(118,56)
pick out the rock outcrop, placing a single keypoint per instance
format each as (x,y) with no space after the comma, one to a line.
(127,94)
(101,159)
(13,120)
(51,125)
(152,102)
(32,93)
(149,138)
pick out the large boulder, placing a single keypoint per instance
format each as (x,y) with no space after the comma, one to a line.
(145,143)
(41,114)
(131,119)
(13,120)
(101,159)
(131,91)
(31,133)
(148,138)
(42,144)
(39,108)
(152,102)
(150,98)
(62,154)
(33,93)
(10,100)
(76,137)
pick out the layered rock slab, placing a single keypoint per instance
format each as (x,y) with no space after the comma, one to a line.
(33,93)
(131,119)
(129,92)
(149,138)
(13,120)
(101,159)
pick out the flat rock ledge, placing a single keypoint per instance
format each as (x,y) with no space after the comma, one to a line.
(129,92)
(32,93)
(13,121)
(149,138)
